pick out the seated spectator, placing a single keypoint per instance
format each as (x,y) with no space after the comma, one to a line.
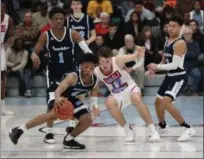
(133,26)
(99,42)
(40,18)
(167,13)
(114,39)
(163,38)
(54,3)
(135,68)
(29,32)
(126,6)
(191,60)
(98,13)
(198,36)
(198,15)
(102,27)
(182,9)
(16,57)
(150,43)
(105,5)
(141,11)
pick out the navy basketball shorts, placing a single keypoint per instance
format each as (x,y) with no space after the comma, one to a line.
(172,86)
(79,108)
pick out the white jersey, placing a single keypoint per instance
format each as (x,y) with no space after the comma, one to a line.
(4,28)
(117,81)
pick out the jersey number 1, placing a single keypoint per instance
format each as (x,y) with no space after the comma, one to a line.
(61,58)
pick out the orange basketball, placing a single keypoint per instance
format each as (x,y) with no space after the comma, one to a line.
(66,112)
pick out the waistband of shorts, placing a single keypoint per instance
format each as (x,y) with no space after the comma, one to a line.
(176,73)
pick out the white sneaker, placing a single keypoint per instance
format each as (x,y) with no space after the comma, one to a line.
(163,131)
(154,136)
(130,135)
(6,112)
(186,135)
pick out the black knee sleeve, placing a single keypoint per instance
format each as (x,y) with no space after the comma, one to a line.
(50,105)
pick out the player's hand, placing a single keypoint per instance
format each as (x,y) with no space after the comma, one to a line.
(141,52)
(36,60)
(150,73)
(95,111)
(59,102)
(152,66)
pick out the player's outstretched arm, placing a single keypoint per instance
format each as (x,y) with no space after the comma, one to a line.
(69,80)
(137,56)
(82,44)
(38,47)
(179,51)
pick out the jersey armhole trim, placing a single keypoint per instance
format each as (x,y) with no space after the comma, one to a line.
(70,34)
(47,43)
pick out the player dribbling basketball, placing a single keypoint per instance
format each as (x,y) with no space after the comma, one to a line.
(74,85)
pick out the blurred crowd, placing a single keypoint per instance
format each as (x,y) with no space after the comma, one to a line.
(119,24)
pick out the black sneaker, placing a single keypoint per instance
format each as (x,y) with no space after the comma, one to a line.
(72,144)
(15,134)
(49,138)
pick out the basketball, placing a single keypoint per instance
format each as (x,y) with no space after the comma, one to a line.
(66,112)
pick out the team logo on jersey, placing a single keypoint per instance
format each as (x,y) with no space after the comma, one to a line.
(113,77)
(3,28)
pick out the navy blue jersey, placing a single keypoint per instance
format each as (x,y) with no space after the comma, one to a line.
(79,88)
(169,53)
(61,54)
(82,25)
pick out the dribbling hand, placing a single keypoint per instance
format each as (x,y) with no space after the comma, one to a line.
(95,111)
(59,102)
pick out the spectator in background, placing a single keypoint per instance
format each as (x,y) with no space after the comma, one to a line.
(184,6)
(191,60)
(99,42)
(135,68)
(162,39)
(29,31)
(197,34)
(150,43)
(40,18)
(141,11)
(114,38)
(198,15)
(102,27)
(16,58)
(126,6)
(98,13)
(186,18)
(54,3)
(167,13)
(105,5)
(133,26)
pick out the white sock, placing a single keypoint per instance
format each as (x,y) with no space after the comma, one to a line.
(69,137)
(151,127)
(126,127)
(49,130)
(23,127)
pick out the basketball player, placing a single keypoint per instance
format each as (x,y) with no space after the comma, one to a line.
(81,22)
(74,85)
(175,80)
(60,42)
(6,31)
(124,90)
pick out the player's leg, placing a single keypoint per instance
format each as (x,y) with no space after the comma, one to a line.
(115,111)
(136,99)
(49,137)
(177,85)
(3,95)
(15,133)
(84,122)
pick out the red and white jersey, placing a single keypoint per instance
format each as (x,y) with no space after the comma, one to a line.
(4,27)
(117,81)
